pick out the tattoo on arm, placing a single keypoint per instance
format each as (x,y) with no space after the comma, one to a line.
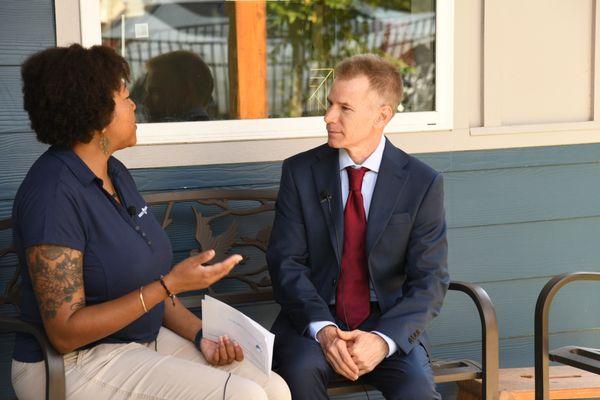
(57,275)
(78,304)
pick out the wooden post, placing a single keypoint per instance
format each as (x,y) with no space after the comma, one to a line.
(248,59)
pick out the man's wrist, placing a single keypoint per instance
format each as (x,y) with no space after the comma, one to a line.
(392,347)
(315,327)
(322,332)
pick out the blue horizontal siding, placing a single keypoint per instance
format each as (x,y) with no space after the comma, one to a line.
(13,117)
(514,301)
(25,27)
(22,150)
(524,157)
(516,195)
(516,352)
(524,250)
(207,176)
(5,208)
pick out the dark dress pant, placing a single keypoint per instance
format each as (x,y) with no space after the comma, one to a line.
(302,364)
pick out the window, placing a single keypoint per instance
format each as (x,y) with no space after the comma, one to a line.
(224,70)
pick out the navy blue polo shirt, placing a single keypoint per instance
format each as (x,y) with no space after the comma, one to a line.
(62,202)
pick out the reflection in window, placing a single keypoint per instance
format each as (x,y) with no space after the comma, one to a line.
(200,60)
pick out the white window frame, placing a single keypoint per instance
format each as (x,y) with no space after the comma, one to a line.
(300,127)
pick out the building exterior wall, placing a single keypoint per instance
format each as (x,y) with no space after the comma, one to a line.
(516,214)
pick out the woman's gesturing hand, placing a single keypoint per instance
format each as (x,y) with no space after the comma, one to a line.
(192,274)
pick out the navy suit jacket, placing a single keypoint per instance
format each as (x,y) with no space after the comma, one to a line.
(406,243)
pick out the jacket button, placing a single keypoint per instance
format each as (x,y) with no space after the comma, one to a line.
(333,282)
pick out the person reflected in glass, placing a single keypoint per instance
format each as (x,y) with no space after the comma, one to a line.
(179,87)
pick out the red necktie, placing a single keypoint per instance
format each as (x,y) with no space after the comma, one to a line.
(352,296)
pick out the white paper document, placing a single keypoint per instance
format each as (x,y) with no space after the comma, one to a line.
(220,319)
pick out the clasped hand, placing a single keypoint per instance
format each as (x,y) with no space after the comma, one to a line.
(352,354)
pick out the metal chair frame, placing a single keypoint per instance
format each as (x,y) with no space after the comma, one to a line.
(578,357)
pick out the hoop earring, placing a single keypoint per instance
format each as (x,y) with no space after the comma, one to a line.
(104,143)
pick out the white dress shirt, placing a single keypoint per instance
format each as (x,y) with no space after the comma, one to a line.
(373,163)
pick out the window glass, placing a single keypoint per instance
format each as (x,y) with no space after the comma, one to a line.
(224,60)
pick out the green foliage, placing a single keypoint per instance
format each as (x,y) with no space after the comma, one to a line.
(319,33)
(315,26)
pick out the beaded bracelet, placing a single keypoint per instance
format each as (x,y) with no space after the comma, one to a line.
(169,293)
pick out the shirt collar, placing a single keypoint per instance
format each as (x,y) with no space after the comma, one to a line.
(83,173)
(372,162)
(114,169)
(74,163)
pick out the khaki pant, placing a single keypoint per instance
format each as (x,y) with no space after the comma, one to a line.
(176,370)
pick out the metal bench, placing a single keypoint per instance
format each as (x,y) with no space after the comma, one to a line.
(578,357)
(250,283)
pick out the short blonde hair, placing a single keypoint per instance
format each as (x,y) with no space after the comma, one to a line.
(383,76)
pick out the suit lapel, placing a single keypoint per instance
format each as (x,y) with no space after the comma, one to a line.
(391,180)
(327,183)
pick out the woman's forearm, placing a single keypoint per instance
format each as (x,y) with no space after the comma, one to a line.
(56,273)
(181,320)
(92,323)
(57,277)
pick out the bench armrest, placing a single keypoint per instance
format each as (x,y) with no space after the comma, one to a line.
(53,361)
(489,336)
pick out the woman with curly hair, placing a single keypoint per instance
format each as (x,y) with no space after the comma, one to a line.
(97,265)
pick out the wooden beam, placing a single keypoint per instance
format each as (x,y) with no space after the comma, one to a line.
(248,59)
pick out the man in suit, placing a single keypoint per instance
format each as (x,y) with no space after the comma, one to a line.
(358,250)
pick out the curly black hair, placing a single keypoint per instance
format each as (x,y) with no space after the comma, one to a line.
(68,91)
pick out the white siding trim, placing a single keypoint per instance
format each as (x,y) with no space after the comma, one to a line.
(537,128)
(91,32)
(596,74)
(67,19)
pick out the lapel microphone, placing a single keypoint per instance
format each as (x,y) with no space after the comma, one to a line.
(325,196)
